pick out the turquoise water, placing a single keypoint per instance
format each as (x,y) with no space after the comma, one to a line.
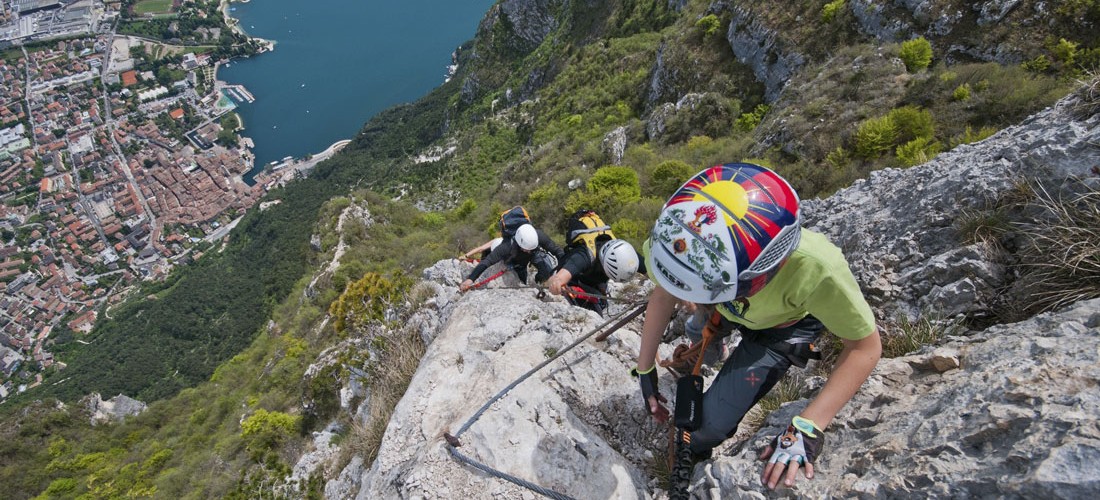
(337,63)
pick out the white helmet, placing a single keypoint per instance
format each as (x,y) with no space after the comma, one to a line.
(527,238)
(495,243)
(619,260)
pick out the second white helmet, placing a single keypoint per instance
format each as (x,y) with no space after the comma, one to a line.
(527,238)
(619,260)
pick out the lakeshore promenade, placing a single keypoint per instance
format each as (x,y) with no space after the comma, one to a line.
(282,172)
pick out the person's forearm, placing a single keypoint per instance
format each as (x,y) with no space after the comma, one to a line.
(657,314)
(480,268)
(855,364)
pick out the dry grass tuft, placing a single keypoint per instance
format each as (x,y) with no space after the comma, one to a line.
(390,374)
(1088,95)
(788,389)
(1058,261)
(905,335)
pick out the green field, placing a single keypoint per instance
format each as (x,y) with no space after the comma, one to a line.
(152,7)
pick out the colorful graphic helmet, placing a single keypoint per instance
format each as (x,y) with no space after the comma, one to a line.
(724,233)
(619,260)
(527,238)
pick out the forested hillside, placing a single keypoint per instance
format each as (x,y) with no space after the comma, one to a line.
(556,104)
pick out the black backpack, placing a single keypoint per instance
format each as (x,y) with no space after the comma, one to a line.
(512,219)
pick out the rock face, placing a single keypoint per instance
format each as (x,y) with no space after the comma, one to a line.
(760,47)
(1016,420)
(530,20)
(572,427)
(114,409)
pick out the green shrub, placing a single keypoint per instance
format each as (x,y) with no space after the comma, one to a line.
(618,182)
(698,142)
(668,176)
(748,122)
(607,191)
(709,24)
(838,158)
(874,137)
(961,93)
(911,123)
(464,210)
(544,204)
(1064,51)
(916,54)
(365,300)
(266,429)
(969,135)
(633,230)
(830,10)
(918,151)
(1038,65)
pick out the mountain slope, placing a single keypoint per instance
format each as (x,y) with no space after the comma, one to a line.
(549,92)
(997,411)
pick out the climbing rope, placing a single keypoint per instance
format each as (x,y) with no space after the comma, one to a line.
(485,281)
(452,439)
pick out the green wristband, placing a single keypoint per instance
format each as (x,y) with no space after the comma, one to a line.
(805,425)
(635,373)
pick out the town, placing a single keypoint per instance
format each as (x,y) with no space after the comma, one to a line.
(120,159)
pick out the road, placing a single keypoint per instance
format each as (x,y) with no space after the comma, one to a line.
(109,124)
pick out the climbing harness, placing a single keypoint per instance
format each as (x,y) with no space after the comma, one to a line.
(453,442)
(689,355)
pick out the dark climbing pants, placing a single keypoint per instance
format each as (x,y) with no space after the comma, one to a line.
(755,366)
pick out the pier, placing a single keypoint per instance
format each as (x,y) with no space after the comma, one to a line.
(239,93)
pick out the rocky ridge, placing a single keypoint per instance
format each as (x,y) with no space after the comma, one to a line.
(1003,411)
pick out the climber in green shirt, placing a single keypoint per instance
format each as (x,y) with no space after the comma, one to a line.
(729,243)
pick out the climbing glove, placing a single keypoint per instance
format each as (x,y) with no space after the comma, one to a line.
(648,382)
(801,442)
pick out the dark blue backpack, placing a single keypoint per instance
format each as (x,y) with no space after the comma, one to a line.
(512,219)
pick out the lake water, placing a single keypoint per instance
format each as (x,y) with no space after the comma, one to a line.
(337,63)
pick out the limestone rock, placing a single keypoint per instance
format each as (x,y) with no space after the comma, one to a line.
(112,410)
(971,431)
(572,427)
(614,143)
(761,48)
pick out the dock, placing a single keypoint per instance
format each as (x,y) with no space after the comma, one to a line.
(239,93)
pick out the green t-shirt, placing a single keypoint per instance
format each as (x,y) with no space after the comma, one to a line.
(815,280)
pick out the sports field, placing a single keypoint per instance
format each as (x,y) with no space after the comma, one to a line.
(152,7)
